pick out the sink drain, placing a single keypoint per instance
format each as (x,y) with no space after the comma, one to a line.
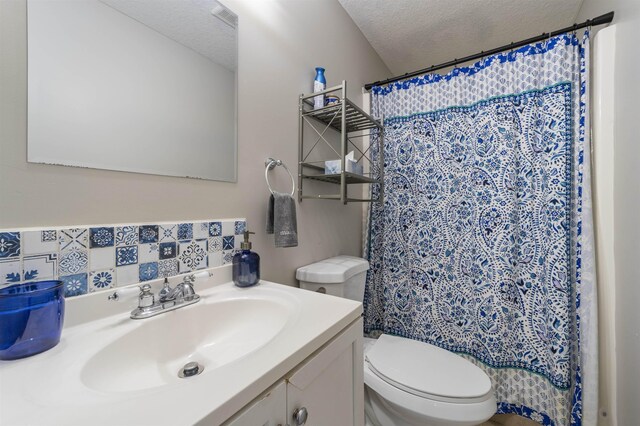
(190,369)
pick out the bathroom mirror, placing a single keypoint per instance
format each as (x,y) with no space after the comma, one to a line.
(145,86)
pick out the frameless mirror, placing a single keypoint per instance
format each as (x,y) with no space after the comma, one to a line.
(144,86)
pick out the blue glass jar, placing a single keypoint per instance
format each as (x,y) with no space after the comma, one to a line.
(31,318)
(246,264)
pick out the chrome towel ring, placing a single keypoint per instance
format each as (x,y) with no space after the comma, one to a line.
(270,164)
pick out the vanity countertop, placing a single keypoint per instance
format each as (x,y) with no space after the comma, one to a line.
(58,387)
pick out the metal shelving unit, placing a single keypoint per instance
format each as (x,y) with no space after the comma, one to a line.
(350,122)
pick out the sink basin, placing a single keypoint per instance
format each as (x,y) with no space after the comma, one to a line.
(211,333)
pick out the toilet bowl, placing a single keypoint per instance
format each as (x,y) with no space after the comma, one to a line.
(407,382)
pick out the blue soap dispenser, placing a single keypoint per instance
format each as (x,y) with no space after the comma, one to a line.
(246,264)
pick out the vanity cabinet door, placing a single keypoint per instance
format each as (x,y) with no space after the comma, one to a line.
(327,389)
(268,410)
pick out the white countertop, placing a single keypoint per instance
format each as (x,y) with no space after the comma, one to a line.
(47,389)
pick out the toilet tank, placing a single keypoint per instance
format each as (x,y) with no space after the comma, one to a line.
(342,276)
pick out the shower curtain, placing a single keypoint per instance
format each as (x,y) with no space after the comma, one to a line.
(483,243)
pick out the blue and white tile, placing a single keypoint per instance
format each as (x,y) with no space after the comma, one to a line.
(215,244)
(167,250)
(102,280)
(148,271)
(200,230)
(75,285)
(215,259)
(228,242)
(101,237)
(148,253)
(240,226)
(127,255)
(192,255)
(102,258)
(148,234)
(40,266)
(215,229)
(126,236)
(126,275)
(227,256)
(72,262)
(9,245)
(229,227)
(73,239)
(10,271)
(167,268)
(185,231)
(38,242)
(168,232)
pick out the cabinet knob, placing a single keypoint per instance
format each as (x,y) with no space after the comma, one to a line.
(300,416)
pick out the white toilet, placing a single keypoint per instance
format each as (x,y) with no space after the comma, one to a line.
(407,382)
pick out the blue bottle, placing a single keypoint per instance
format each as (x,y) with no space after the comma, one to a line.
(246,264)
(319,84)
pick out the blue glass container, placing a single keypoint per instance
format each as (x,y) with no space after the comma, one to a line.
(31,318)
(246,264)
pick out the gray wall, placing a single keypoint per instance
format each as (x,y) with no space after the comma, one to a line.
(280,43)
(626,200)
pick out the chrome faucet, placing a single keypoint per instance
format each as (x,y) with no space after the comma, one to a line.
(168,298)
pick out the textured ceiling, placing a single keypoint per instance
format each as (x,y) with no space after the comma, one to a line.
(189,22)
(413,34)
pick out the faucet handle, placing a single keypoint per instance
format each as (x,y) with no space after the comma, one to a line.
(146,297)
(124,293)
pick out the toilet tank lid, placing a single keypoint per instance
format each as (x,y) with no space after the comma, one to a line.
(334,270)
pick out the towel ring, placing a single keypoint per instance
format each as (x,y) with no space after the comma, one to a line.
(270,164)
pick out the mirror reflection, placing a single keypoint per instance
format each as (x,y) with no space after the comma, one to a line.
(144,86)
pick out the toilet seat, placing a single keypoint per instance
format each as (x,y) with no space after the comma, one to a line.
(425,371)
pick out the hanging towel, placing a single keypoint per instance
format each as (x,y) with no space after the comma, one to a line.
(281,220)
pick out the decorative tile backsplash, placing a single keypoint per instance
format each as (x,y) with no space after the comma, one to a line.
(89,259)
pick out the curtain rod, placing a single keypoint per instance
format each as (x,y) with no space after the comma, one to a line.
(599,20)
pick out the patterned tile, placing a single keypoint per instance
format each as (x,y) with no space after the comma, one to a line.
(38,242)
(148,271)
(126,275)
(228,242)
(126,255)
(215,229)
(10,271)
(102,258)
(167,250)
(74,285)
(98,258)
(40,266)
(227,256)
(168,232)
(102,280)
(9,245)
(73,239)
(185,231)
(126,236)
(192,255)
(72,262)
(215,244)
(167,267)
(148,234)
(101,237)
(240,227)
(200,230)
(148,253)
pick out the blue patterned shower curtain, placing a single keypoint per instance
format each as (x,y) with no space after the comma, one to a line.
(483,245)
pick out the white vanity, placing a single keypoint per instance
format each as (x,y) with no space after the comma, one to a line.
(272,355)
